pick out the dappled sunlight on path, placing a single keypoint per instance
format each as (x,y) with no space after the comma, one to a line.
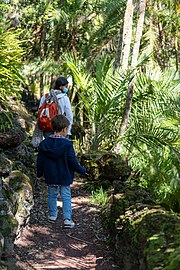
(49,246)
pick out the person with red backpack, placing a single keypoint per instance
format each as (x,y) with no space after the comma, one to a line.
(55,102)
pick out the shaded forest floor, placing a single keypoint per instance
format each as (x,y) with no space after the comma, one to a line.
(48,246)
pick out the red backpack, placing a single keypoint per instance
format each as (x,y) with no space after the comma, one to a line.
(46,113)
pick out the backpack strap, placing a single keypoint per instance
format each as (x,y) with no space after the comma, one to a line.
(46,96)
(53,94)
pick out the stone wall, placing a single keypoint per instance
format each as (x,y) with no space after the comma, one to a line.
(17,173)
(16,195)
(144,236)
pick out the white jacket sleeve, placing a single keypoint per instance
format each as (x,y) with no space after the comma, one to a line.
(42,101)
(68,113)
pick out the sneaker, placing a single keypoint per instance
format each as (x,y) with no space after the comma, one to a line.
(52,219)
(69,223)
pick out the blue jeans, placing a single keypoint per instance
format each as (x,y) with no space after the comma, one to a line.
(65,193)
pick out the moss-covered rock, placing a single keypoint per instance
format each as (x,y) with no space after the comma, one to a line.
(145,237)
(5,164)
(105,168)
(15,206)
(1,244)
(11,138)
(19,192)
(8,226)
(17,163)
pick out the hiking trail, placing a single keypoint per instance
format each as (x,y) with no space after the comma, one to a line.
(48,246)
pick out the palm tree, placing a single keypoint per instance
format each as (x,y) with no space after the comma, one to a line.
(127,34)
(127,109)
(152,138)
(100,99)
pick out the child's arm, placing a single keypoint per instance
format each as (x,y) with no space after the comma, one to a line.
(73,162)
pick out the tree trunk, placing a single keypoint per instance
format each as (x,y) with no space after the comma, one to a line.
(42,54)
(125,118)
(73,43)
(142,8)
(57,40)
(126,114)
(41,84)
(176,52)
(119,50)
(176,39)
(127,33)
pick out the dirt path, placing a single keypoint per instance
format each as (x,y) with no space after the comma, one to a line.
(49,246)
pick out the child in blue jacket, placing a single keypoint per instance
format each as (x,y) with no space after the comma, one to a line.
(57,162)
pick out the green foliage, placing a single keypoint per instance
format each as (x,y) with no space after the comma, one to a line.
(99,197)
(153,135)
(101,96)
(10,72)
(55,33)
(104,35)
(55,27)
(151,142)
(76,66)
(10,62)
(174,259)
(161,32)
(6,117)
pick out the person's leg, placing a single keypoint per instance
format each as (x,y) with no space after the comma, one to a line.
(65,192)
(52,202)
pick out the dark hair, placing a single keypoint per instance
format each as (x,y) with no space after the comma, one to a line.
(59,122)
(61,81)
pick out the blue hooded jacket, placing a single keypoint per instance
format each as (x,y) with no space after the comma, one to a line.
(57,161)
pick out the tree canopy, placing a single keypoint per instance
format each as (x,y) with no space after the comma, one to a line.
(87,39)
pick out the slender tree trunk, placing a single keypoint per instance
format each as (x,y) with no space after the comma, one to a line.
(176,52)
(176,39)
(127,34)
(52,80)
(42,53)
(127,109)
(142,8)
(119,50)
(151,39)
(73,42)
(57,40)
(125,118)
(162,41)
(41,84)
